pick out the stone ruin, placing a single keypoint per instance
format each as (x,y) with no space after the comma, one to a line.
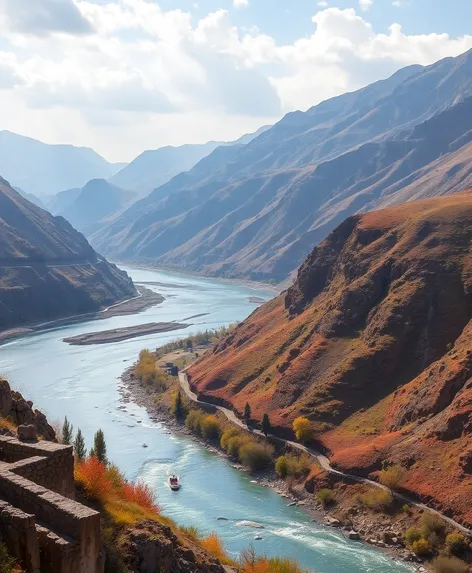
(40,522)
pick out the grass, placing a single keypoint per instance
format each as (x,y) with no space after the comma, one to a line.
(450,565)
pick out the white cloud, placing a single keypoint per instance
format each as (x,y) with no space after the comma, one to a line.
(365,4)
(401,3)
(240,3)
(146,76)
(322,4)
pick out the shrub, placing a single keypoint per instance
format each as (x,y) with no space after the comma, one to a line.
(432,523)
(191,532)
(236,443)
(412,534)
(326,496)
(407,509)
(214,545)
(91,475)
(227,436)
(281,467)
(377,499)
(256,456)
(210,427)
(250,563)
(194,421)
(456,543)
(7,563)
(421,547)
(392,476)
(449,565)
(146,370)
(290,465)
(303,429)
(140,494)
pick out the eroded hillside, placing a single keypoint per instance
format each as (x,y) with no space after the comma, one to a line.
(372,343)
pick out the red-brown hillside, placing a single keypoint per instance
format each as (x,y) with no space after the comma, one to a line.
(374,344)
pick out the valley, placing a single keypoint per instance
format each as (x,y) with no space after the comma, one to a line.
(83,383)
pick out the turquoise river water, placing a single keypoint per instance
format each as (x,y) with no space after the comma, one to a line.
(83,383)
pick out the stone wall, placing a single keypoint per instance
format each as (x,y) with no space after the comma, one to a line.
(37,482)
(45,463)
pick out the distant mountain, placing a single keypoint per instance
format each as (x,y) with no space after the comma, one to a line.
(32,198)
(47,269)
(60,202)
(373,344)
(255,211)
(45,169)
(153,168)
(94,204)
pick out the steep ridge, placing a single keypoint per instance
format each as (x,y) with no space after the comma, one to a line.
(48,269)
(95,204)
(258,211)
(156,167)
(372,343)
(44,169)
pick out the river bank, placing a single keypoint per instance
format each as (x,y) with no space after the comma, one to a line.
(378,531)
(125,333)
(145,300)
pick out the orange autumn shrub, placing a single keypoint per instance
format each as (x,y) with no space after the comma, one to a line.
(140,494)
(214,545)
(91,475)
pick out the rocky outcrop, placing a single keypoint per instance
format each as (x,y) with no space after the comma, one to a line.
(152,548)
(21,412)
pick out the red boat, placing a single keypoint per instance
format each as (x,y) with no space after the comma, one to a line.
(174,483)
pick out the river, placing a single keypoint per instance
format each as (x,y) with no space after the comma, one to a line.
(82,382)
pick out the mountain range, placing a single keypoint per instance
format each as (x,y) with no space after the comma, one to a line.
(43,169)
(155,167)
(256,211)
(48,269)
(372,343)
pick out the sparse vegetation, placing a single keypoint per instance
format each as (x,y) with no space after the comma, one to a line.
(7,563)
(303,429)
(326,496)
(294,466)
(450,565)
(376,499)
(203,338)
(251,563)
(392,476)
(147,371)
(214,545)
(456,543)
(256,456)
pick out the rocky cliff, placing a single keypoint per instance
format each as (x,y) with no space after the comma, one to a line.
(19,411)
(47,268)
(372,343)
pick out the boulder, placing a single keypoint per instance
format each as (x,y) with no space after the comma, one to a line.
(27,433)
(5,398)
(353,535)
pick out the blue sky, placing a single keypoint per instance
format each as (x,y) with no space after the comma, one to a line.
(127,75)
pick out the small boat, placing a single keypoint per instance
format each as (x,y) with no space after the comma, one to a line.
(174,483)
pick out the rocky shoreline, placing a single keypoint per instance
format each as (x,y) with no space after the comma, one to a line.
(361,530)
(125,333)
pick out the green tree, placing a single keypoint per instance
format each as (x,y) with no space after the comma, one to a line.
(99,449)
(247,412)
(265,424)
(179,409)
(67,432)
(80,450)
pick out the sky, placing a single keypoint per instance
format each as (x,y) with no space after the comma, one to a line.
(123,76)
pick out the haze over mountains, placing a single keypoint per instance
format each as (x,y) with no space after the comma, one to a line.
(256,211)
(153,168)
(44,169)
(47,269)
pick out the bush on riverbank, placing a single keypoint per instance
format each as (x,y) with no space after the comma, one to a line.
(450,565)
(250,563)
(203,338)
(290,465)
(255,455)
(147,371)
(376,499)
